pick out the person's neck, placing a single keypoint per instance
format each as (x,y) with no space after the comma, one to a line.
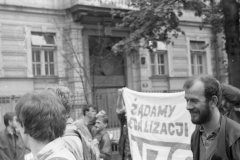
(36,146)
(86,120)
(10,130)
(213,123)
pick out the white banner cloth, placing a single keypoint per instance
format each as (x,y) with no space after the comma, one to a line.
(159,125)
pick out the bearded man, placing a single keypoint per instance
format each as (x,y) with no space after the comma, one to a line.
(216,137)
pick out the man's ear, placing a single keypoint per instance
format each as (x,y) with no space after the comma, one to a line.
(214,101)
(105,125)
(10,122)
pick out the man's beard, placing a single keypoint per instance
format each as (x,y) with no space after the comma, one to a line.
(203,115)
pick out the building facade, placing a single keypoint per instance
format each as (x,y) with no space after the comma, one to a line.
(68,42)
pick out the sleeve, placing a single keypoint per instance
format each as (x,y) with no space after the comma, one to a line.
(105,152)
(235,150)
(3,155)
(3,148)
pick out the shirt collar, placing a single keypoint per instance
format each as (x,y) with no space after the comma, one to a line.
(49,149)
(8,133)
(213,132)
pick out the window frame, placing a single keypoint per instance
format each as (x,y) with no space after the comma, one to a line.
(196,67)
(43,49)
(157,71)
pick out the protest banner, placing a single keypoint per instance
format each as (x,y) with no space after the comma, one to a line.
(159,125)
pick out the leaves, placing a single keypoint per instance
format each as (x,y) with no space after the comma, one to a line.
(158,20)
(154,20)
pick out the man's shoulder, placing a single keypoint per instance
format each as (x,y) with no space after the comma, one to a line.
(3,134)
(232,125)
(232,131)
(79,123)
(105,136)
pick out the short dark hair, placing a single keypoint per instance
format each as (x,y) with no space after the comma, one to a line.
(87,107)
(212,86)
(41,115)
(8,117)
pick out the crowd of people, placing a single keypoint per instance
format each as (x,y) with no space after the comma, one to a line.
(42,129)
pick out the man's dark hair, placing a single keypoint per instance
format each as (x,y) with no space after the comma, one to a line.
(41,115)
(212,87)
(87,107)
(8,117)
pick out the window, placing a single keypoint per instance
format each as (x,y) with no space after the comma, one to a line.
(159,62)
(5,100)
(198,57)
(159,59)
(43,48)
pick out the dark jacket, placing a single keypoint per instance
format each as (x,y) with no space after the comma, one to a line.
(104,143)
(11,146)
(124,146)
(227,141)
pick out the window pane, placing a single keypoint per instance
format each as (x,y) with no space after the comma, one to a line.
(200,69)
(159,63)
(46,69)
(46,56)
(36,56)
(159,59)
(162,70)
(51,59)
(34,68)
(162,59)
(49,56)
(153,70)
(193,70)
(159,70)
(49,38)
(33,56)
(192,59)
(38,69)
(152,56)
(199,59)
(51,69)
(197,45)
(41,39)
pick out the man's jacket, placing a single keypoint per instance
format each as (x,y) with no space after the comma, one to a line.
(9,150)
(228,135)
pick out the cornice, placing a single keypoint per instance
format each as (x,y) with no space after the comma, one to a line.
(32,10)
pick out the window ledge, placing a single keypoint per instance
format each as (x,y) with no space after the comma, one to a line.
(45,77)
(159,77)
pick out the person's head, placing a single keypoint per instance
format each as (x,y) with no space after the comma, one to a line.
(10,120)
(41,116)
(230,98)
(122,117)
(89,111)
(100,113)
(65,96)
(203,95)
(101,122)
